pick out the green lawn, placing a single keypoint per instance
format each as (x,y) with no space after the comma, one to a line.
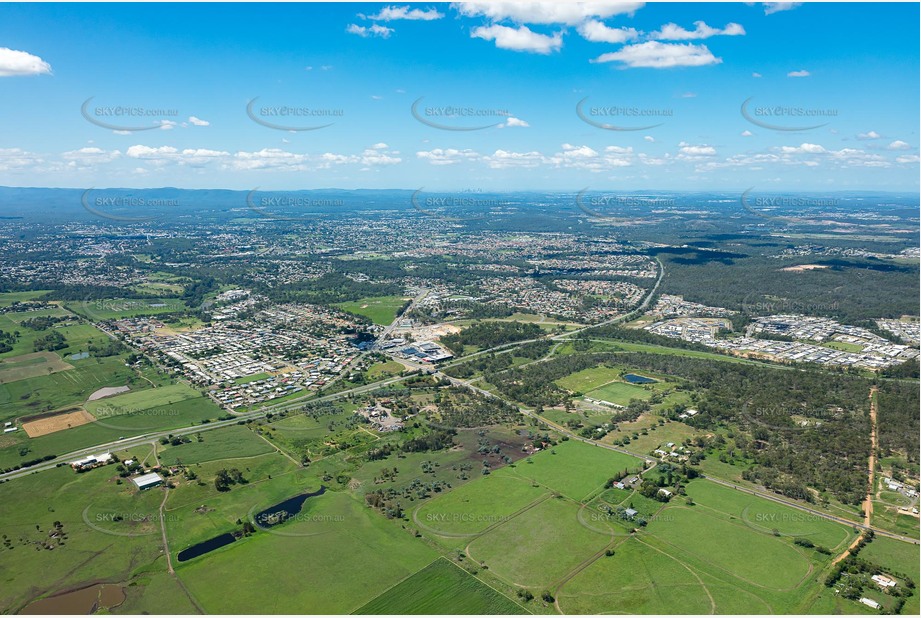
(841,345)
(389,368)
(588,379)
(380,309)
(442,588)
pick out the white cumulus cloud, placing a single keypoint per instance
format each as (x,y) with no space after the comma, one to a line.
(656,55)
(375,30)
(674,32)
(568,13)
(15,63)
(596,32)
(519,39)
(392,13)
(776,7)
(511,121)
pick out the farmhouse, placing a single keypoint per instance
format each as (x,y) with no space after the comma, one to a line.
(630,513)
(665,492)
(883,581)
(147,481)
(869,602)
(619,485)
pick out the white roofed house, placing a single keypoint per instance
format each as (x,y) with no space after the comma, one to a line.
(883,581)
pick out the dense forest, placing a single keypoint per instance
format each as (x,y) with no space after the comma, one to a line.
(486,335)
(897,419)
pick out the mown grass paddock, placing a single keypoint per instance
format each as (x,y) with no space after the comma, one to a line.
(442,588)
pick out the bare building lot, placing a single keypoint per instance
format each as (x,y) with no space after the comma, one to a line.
(43,424)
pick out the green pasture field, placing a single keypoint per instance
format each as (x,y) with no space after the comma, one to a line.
(77,336)
(540,545)
(767,561)
(8,298)
(656,436)
(474,507)
(62,495)
(134,400)
(116,308)
(714,557)
(16,368)
(637,579)
(900,557)
(111,425)
(32,396)
(441,588)
(347,556)
(228,442)
(765,516)
(576,470)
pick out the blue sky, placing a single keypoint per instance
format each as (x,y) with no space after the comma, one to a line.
(519,69)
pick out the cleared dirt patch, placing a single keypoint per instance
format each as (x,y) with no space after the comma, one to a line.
(30,366)
(804,267)
(44,424)
(108,391)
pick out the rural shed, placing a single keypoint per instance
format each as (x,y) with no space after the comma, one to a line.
(147,481)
